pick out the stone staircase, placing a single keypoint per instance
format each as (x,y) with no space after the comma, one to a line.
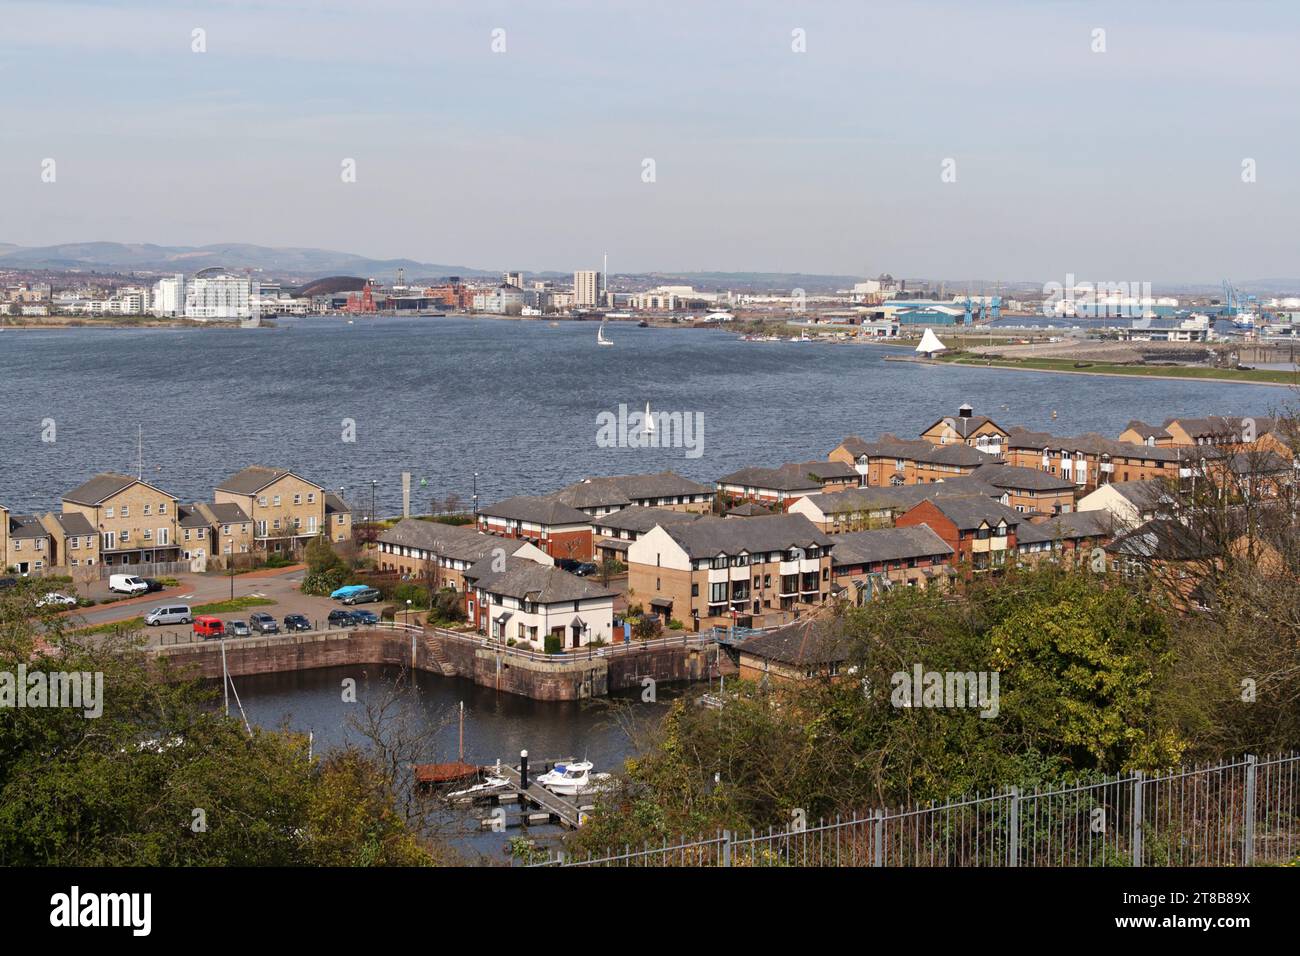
(433,645)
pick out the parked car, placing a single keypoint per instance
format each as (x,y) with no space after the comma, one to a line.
(8,582)
(363,617)
(341,618)
(262,623)
(339,594)
(238,629)
(364,596)
(296,622)
(169,614)
(126,584)
(209,627)
(580,568)
(152,584)
(55,599)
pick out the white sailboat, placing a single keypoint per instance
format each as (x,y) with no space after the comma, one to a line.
(600,335)
(649,423)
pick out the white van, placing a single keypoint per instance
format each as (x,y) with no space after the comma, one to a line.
(127,584)
(171,614)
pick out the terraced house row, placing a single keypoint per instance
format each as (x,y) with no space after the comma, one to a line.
(114,523)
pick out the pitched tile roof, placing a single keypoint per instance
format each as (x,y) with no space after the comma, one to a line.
(794,476)
(528,580)
(887,544)
(543,510)
(970,511)
(103,485)
(74,523)
(622,490)
(712,536)
(27,526)
(1021,479)
(458,542)
(957,454)
(251,480)
(812,641)
(642,519)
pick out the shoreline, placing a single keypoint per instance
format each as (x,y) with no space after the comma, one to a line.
(1071,371)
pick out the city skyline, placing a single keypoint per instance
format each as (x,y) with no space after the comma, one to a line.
(821,149)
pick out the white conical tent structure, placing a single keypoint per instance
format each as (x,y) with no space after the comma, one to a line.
(930,344)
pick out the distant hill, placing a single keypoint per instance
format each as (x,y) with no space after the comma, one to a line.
(298,262)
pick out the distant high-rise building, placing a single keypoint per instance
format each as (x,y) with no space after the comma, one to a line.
(513,278)
(169,296)
(586,288)
(217,294)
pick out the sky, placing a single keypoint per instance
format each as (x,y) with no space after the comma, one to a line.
(790,137)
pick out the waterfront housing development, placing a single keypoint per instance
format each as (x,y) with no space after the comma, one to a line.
(763,546)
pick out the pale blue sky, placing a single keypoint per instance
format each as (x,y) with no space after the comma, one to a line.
(1123,165)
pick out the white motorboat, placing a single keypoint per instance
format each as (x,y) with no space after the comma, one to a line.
(567,779)
(488,786)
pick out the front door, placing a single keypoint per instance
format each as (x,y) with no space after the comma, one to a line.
(576,630)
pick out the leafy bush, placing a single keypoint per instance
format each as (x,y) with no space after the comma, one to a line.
(554,644)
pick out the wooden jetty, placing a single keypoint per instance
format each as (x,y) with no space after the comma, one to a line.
(561,809)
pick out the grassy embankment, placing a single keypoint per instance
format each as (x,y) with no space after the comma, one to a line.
(1255,376)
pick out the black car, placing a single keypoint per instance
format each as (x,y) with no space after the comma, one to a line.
(584,568)
(341,618)
(153,585)
(365,617)
(8,582)
(296,622)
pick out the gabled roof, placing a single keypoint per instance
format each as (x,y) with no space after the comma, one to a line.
(251,480)
(1071,526)
(803,642)
(528,580)
(458,542)
(887,544)
(336,505)
(900,498)
(643,519)
(1142,495)
(794,476)
(964,425)
(1147,431)
(27,526)
(73,523)
(1092,443)
(226,512)
(957,454)
(104,486)
(712,536)
(543,510)
(971,511)
(191,516)
(620,490)
(1162,539)
(1021,479)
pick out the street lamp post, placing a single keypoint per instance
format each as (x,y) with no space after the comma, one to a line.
(373,484)
(408,612)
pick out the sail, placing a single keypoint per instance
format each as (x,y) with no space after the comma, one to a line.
(930,343)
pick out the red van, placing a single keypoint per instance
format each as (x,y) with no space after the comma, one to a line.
(209,627)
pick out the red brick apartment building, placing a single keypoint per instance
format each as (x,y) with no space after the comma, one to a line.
(980,531)
(559,530)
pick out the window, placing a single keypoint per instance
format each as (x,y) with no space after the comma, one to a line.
(297,499)
(108,512)
(146,510)
(261,501)
(276,501)
(126,511)
(162,507)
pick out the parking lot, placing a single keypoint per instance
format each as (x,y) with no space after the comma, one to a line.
(195,590)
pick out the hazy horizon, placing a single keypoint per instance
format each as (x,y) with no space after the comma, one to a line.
(1116,165)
